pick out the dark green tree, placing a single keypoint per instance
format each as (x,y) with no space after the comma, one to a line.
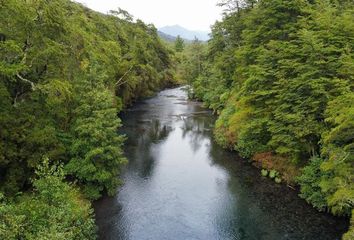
(179,44)
(54,210)
(280,75)
(96,154)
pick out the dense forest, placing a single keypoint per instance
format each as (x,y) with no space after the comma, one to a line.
(280,76)
(65,73)
(278,73)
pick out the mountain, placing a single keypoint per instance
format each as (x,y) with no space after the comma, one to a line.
(170,38)
(166,37)
(176,30)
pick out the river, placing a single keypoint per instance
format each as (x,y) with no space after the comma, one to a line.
(179,185)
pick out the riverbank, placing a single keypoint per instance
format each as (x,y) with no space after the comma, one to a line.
(179,184)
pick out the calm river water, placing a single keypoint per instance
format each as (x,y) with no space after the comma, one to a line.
(179,185)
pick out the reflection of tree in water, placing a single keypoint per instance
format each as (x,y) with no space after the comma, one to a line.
(158,132)
(263,208)
(234,216)
(109,211)
(142,158)
(197,128)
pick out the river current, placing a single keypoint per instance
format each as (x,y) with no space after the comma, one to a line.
(180,185)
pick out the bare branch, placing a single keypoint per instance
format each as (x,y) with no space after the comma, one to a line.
(119,82)
(33,86)
(15,100)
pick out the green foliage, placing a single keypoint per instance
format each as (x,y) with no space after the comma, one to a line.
(331,183)
(46,58)
(189,61)
(96,155)
(310,184)
(339,149)
(54,210)
(280,75)
(65,73)
(179,44)
(269,56)
(264,172)
(277,180)
(273,173)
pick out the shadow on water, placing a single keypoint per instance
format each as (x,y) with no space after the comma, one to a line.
(143,142)
(180,185)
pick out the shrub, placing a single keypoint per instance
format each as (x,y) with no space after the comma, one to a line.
(54,210)
(310,184)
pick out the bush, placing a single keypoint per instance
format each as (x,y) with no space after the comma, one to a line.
(310,184)
(54,210)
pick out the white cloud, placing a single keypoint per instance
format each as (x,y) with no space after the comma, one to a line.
(192,14)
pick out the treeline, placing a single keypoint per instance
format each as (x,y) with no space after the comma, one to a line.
(280,74)
(65,73)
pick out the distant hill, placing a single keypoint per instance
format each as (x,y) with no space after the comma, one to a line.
(166,37)
(184,33)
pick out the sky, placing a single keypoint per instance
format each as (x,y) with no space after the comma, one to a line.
(191,14)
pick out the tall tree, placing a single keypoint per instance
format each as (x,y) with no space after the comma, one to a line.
(96,154)
(179,44)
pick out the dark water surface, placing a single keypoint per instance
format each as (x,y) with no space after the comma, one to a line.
(180,185)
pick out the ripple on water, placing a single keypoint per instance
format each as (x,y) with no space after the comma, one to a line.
(180,185)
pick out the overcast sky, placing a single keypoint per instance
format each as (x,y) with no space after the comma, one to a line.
(192,14)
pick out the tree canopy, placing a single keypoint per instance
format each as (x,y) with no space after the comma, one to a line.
(280,76)
(65,73)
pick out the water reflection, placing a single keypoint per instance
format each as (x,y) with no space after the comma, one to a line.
(197,128)
(180,185)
